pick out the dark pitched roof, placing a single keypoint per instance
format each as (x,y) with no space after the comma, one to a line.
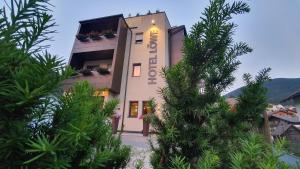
(282,129)
(176,29)
(291,119)
(297,126)
(292,96)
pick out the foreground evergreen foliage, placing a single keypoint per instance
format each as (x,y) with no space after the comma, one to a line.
(253,100)
(196,128)
(191,120)
(39,126)
(253,152)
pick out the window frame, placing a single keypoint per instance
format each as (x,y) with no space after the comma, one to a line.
(129,113)
(133,66)
(139,41)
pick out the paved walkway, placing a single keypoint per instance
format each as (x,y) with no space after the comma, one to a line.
(140,149)
(135,140)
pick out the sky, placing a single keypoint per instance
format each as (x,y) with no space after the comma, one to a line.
(272,28)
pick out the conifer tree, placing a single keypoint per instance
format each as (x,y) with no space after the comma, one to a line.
(185,127)
(39,126)
(252,102)
(196,128)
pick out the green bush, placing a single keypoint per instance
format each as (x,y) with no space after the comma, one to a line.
(40,125)
(254,152)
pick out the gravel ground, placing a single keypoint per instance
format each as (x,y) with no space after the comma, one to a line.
(140,149)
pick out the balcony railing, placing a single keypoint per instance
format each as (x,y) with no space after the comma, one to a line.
(94,42)
(99,78)
(96,36)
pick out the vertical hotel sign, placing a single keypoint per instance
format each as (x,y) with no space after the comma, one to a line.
(152,70)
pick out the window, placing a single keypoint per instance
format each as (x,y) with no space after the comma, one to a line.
(136,71)
(146,107)
(133,108)
(139,38)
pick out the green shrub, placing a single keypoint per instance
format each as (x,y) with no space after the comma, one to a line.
(40,125)
(179,163)
(254,152)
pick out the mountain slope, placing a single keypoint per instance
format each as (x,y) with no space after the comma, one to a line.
(278,89)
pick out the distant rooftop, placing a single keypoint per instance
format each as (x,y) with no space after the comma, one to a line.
(291,119)
(292,96)
(176,29)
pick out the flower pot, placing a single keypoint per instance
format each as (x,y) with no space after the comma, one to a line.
(109,35)
(95,37)
(146,127)
(115,124)
(86,72)
(103,71)
(82,38)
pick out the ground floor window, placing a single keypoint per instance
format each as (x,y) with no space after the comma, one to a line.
(133,108)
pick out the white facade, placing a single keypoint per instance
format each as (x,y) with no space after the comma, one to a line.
(152,54)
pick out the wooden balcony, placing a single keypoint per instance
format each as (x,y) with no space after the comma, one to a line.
(95,45)
(100,39)
(97,80)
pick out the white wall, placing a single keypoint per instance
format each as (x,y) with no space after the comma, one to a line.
(138,88)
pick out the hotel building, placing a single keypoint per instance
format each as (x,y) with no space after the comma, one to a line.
(123,57)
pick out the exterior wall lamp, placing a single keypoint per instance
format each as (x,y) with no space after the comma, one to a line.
(153,22)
